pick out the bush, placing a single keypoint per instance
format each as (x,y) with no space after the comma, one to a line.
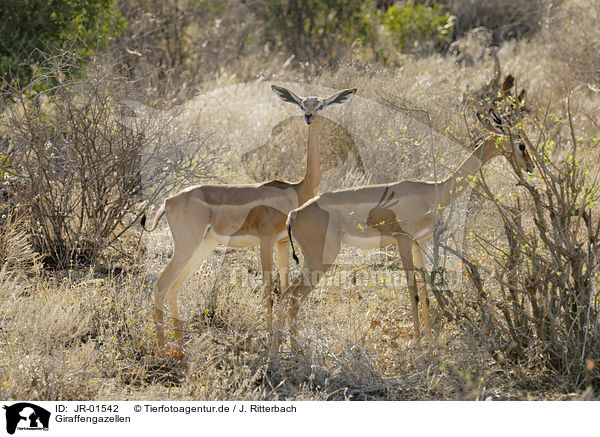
(77,173)
(28,26)
(415,27)
(324,32)
(506,19)
(577,47)
(175,44)
(316,31)
(535,302)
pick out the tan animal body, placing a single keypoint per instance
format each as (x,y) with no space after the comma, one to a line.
(404,213)
(203,216)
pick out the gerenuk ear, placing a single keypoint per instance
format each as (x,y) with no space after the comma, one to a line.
(492,122)
(508,83)
(498,122)
(339,97)
(287,95)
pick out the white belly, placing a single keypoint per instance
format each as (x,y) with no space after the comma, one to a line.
(366,242)
(239,240)
(235,241)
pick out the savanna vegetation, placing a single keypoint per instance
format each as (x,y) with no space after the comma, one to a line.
(108,106)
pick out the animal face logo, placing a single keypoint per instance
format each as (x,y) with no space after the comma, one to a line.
(26,416)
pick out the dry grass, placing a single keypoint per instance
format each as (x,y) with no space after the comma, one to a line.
(89,335)
(94,340)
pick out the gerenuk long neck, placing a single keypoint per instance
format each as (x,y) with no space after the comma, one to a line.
(454,185)
(309,185)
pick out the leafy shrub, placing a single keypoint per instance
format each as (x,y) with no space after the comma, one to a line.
(324,32)
(413,27)
(316,31)
(31,25)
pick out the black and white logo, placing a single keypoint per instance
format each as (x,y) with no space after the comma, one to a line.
(26,416)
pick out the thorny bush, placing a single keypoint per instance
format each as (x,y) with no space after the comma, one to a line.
(535,301)
(76,172)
